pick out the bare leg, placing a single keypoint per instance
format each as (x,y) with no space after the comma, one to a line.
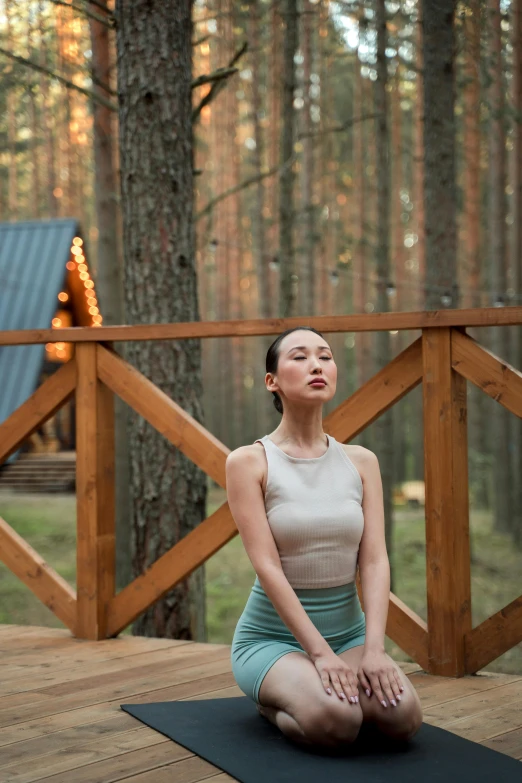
(288,725)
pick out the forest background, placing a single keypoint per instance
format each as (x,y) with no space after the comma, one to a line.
(318,158)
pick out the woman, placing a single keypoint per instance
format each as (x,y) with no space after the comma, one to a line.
(309,510)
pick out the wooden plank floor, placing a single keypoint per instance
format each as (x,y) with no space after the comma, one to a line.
(60,719)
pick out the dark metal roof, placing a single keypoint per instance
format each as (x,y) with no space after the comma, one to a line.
(33,255)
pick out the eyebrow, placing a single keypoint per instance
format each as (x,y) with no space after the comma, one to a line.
(304,348)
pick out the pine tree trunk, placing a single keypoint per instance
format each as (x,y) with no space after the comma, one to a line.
(288,285)
(383,427)
(109,275)
(418,177)
(309,293)
(517,236)
(168,491)
(501,430)
(275,125)
(50,174)
(12,186)
(472,237)
(258,220)
(439,153)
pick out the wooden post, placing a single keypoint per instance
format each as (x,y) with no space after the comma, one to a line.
(448,579)
(95,569)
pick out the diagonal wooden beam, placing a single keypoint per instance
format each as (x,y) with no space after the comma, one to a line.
(40,406)
(494,636)
(165,415)
(404,626)
(176,564)
(490,373)
(379,393)
(408,630)
(45,583)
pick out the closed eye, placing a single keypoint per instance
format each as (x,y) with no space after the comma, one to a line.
(322,357)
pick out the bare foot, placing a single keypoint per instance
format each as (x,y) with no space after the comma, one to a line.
(267,712)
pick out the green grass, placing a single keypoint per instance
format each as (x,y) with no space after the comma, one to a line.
(48,524)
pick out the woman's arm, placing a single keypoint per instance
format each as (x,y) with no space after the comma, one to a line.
(374,565)
(375,582)
(244,473)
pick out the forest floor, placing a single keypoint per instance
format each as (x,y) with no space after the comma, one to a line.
(47,522)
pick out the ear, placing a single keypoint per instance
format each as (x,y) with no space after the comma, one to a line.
(269,382)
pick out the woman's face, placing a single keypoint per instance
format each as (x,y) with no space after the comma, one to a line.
(303,357)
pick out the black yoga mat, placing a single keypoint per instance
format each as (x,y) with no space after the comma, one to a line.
(232,735)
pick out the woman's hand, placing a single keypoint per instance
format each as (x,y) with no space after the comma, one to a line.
(334,672)
(377,674)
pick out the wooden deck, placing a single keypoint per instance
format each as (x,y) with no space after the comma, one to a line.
(60,719)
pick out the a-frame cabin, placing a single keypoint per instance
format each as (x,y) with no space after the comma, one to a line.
(44,280)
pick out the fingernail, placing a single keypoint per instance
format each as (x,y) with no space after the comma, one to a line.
(399,697)
(368,692)
(357,700)
(328,690)
(402,687)
(343,696)
(394,702)
(383,703)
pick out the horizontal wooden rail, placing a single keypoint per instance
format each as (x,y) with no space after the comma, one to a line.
(443,358)
(365,322)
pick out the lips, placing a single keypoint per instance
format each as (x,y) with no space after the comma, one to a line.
(317,383)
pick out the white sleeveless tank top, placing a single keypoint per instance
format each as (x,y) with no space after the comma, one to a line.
(314,510)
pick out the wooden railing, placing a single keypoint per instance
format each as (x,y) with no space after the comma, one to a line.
(442,359)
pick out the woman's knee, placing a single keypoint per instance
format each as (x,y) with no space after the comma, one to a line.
(402,723)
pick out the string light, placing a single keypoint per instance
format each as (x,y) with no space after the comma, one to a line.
(77,254)
(494,296)
(63,297)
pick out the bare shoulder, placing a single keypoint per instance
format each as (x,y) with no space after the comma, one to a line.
(359,455)
(250,458)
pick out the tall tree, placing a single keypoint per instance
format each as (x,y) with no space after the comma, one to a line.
(517,226)
(168,492)
(109,273)
(50,165)
(500,435)
(12,192)
(384,424)
(440,193)
(286,190)
(308,241)
(478,404)
(471,96)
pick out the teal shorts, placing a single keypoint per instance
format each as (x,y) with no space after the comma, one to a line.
(261,637)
